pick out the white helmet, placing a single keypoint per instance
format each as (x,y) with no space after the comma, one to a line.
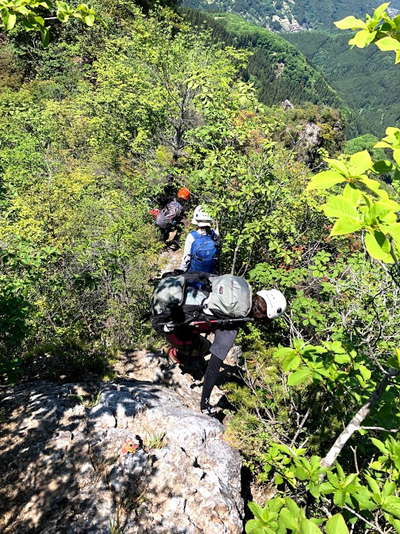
(275,300)
(201,218)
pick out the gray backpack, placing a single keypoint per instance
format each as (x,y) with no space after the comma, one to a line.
(230,296)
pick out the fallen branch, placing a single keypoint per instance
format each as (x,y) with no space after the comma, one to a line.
(355,423)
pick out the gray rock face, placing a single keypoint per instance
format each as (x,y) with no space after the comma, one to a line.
(132,459)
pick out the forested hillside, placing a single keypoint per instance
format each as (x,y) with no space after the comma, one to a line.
(99,123)
(368,81)
(277,69)
(281,15)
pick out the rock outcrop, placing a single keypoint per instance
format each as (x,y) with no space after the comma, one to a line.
(131,456)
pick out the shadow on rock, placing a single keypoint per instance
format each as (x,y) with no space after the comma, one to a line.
(127,457)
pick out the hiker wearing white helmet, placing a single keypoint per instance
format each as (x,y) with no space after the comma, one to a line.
(267,303)
(222,305)
(200,253)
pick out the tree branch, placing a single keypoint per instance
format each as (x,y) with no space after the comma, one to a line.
(374,527)
(355,423)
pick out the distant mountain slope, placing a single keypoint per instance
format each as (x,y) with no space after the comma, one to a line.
(367,79)
(277,68)
(291,15)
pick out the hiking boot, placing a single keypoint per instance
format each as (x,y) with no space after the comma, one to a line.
(211,411)
(173,246)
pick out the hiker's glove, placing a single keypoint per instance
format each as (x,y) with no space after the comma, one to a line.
(169,327)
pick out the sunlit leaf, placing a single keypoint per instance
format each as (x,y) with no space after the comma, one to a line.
(387,44)
(360,162)
(325,179)
(336,525)
(350,23)
(362,38)
(346,225)
(378,246)
(299,377)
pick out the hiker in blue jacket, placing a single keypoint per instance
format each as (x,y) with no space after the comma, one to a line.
(201,250)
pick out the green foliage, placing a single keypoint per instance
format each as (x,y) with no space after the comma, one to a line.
(378,28)
(78,169)
(364,204)
(277,69)
(106,122)
(33,15)
(363,142)
(280,515)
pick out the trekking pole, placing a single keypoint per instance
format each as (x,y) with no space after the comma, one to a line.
(222,321)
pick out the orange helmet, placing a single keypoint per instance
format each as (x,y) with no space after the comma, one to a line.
(183,193)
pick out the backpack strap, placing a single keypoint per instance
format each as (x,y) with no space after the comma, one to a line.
(199,276)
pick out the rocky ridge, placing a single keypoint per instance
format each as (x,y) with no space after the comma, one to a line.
(131,456)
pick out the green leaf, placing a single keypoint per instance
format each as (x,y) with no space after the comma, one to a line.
(325,179)
(373,485)
(380,445)
(339,498)
(362,38)
(342,358)
(299,377)
(378,246)
(283,352)
(374,185)
(387,44)
(360,162)
(394,522)
(89,20)
(288,519)
(255,527)
(291,361)
(380,11)
(392,505)
(352,194)
(396,155)
(9,20)
(255,509)
(45,36)
(363,497)
(336,525)
(350,23)
(383,166)
(365,372)
(292,506)
(308,527)
(340,206)
(338,165)
(388,489)
(345,225)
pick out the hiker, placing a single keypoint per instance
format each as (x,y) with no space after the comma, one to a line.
(200,253)
(171,215)
(225,303)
